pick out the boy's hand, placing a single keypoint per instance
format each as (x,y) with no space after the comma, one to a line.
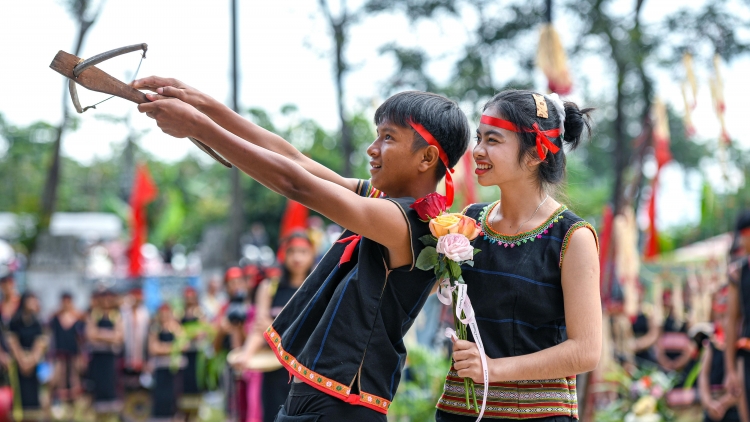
(172,88)
(175,117)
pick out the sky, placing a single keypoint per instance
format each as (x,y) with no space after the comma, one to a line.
(284,59)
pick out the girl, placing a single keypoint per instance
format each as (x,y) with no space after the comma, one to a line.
(67,330)
(27,344)
(104,332)
(535,283)
(160,345)
(273,294)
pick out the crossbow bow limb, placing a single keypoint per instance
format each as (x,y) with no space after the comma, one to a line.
(85,73)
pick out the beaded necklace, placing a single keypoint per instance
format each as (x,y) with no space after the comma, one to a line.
(520,238)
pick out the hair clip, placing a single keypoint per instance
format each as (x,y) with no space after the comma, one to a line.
(541,106)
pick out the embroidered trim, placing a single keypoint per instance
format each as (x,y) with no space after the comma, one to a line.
(569,234)
(517,400)
(516,240)
(366,189)
(320,382)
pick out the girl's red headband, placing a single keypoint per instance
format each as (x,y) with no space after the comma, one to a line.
(541,135)
(427,136)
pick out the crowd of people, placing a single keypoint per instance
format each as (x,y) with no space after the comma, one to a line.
(696,354)
(117,361)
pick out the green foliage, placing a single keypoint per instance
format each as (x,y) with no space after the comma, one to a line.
(193,194)
(421,386)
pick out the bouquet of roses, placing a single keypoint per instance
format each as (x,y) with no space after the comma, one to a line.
(447,248)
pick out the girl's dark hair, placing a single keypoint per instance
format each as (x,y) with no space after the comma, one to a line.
(440,116)
(519,107)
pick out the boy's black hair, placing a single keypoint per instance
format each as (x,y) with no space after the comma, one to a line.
(743,221)
(440,116)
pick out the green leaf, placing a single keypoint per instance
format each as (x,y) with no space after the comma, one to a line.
(454,269)
(469,263)
(427,259)
(476,251)
(428,240)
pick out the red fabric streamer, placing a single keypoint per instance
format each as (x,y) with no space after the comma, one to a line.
(144,191)
(427,136)
(349,250)
(542,136)
(652,244)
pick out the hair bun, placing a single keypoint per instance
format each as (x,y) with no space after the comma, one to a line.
(576,121)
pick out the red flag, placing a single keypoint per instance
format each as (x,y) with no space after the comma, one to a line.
(652,243)
(144,191)
(294,219)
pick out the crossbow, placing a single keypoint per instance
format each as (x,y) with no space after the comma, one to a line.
(85,73)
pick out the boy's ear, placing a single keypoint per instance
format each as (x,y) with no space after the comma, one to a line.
(430,158)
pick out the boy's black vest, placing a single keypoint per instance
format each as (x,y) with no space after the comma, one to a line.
(343,330)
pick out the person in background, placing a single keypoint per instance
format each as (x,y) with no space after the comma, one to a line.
(135,323)
(164,332)
(104,333)
(230,335)
(273,294)
(67,329)
(192,320)
(718,404)
(27,343)
(211,300)
(646,332)
(674,350)
(737,350)
(8,306)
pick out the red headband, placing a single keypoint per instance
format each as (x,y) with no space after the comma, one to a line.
(541,135)
(427,136)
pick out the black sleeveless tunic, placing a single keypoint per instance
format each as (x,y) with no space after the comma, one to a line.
(163,391)
(102,366)
(27,332)
(343,330)
(515,288)
(744,290)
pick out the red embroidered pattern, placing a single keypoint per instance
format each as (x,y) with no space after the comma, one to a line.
(321,382)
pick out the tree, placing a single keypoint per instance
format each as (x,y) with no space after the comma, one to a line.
(504,34)
(85,15)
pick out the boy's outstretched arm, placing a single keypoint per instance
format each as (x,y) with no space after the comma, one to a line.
(238,125)
(376,219)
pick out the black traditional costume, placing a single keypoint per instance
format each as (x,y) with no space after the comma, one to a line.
(27,331)
(342,332)
(102,366)
(164,404)
(515,288)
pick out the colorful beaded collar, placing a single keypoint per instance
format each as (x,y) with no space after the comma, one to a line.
(516,240)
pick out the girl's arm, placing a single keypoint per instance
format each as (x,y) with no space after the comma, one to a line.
(732,381)
(650,338)
(583,315)
(378,220)
(263,300)
(156,347)
(238,125)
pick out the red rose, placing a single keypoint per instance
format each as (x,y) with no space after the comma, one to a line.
(430,206)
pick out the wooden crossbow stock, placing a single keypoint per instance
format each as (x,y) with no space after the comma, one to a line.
(84,73)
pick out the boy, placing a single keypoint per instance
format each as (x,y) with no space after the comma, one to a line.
(341,334)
